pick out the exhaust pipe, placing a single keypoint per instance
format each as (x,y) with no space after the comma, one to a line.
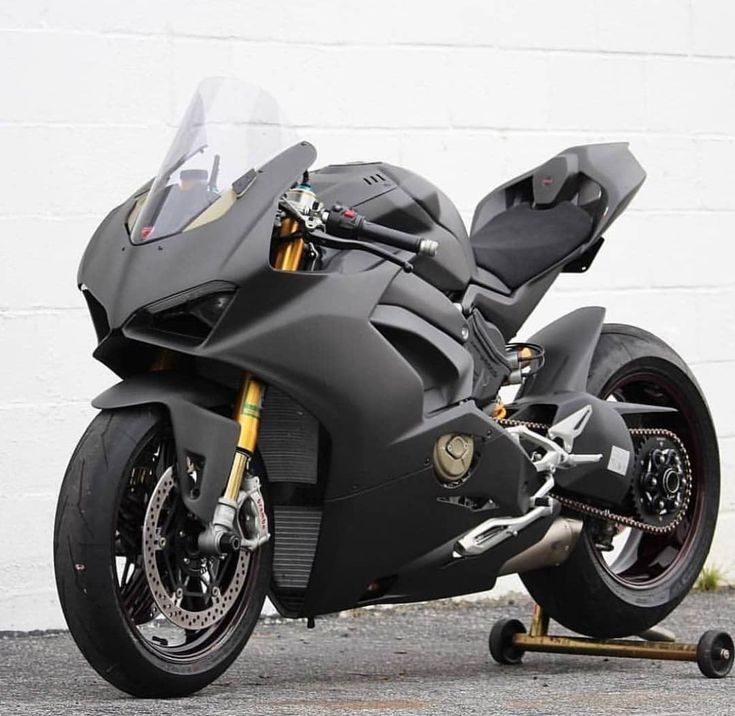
(556,545)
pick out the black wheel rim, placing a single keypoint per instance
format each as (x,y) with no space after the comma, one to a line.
(155,454)
(642,560)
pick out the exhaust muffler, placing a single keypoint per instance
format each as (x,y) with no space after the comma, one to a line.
(556,545)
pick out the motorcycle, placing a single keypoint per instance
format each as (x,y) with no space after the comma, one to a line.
(313,406)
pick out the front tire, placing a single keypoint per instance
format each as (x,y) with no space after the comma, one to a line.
(101,577)
(648,578)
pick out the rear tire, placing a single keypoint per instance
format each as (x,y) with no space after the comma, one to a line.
(87,545)
(585,593)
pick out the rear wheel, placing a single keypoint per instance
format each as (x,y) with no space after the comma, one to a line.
(150,613)
(625,590)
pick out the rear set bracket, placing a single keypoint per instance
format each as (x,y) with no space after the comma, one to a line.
(549,457)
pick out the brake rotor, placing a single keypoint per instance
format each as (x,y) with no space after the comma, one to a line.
(161,556)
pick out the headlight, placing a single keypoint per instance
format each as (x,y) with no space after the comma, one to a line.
(209,309)
(190,315)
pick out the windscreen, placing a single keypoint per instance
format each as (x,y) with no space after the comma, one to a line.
(229,129)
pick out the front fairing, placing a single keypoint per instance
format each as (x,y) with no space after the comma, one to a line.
(124,277)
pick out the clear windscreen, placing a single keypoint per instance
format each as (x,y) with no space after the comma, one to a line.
(229,128)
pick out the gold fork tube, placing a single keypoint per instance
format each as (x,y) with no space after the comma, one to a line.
(288,257)
(250,399)
(248,413)
(237,472)
(248,416)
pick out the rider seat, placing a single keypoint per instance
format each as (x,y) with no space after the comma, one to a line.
(533,223)
(522,242)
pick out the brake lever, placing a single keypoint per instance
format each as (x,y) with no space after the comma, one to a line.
(346,244)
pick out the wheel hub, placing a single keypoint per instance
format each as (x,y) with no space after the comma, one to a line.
(171,565)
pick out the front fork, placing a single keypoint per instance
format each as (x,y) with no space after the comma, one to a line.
(243,488)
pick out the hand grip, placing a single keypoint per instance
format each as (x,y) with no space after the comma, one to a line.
(398,239)
(348,224)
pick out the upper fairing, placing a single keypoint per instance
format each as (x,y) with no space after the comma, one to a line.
(125,277)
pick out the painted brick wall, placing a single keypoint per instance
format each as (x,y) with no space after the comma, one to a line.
(468,94)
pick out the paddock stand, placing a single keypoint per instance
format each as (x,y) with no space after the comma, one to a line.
(509,641)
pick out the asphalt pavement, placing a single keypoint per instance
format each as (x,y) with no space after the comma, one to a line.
(422,659)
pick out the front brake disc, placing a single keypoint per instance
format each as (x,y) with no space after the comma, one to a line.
(159,561)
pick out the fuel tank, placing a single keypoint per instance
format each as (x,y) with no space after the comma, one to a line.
(398,198)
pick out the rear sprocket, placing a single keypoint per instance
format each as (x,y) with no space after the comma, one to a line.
(661,483)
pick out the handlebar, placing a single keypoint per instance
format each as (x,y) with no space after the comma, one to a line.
(348,224)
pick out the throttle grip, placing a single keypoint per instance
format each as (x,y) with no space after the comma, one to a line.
(347,223)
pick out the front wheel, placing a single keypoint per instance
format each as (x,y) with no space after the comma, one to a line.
(150,613)
(619,582)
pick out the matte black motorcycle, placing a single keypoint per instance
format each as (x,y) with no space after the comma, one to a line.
(310,407)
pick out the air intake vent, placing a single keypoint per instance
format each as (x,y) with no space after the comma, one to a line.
(296,536)
(374,179)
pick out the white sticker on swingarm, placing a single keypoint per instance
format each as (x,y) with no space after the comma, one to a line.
(619,459)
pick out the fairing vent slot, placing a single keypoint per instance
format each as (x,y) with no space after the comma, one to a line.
(374,179)
(296,537)
(288,440)
(443,367)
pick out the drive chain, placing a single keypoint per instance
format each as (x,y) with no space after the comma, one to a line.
(607,515)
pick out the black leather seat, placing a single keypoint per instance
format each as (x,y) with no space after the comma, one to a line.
(521,242)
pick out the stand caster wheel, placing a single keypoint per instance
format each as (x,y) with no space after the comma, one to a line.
(501,644)
(715,654)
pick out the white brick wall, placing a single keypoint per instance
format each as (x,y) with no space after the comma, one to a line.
(468,94)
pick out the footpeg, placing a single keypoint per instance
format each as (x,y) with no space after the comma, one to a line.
(496,530)
(555,456)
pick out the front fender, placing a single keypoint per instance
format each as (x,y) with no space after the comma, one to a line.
(198,431)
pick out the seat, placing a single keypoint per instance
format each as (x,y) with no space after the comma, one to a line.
(522,242)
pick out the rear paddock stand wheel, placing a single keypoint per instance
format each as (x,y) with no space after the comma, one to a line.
(502,648)
(715,654)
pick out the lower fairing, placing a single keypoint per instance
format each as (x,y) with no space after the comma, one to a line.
(394,542)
